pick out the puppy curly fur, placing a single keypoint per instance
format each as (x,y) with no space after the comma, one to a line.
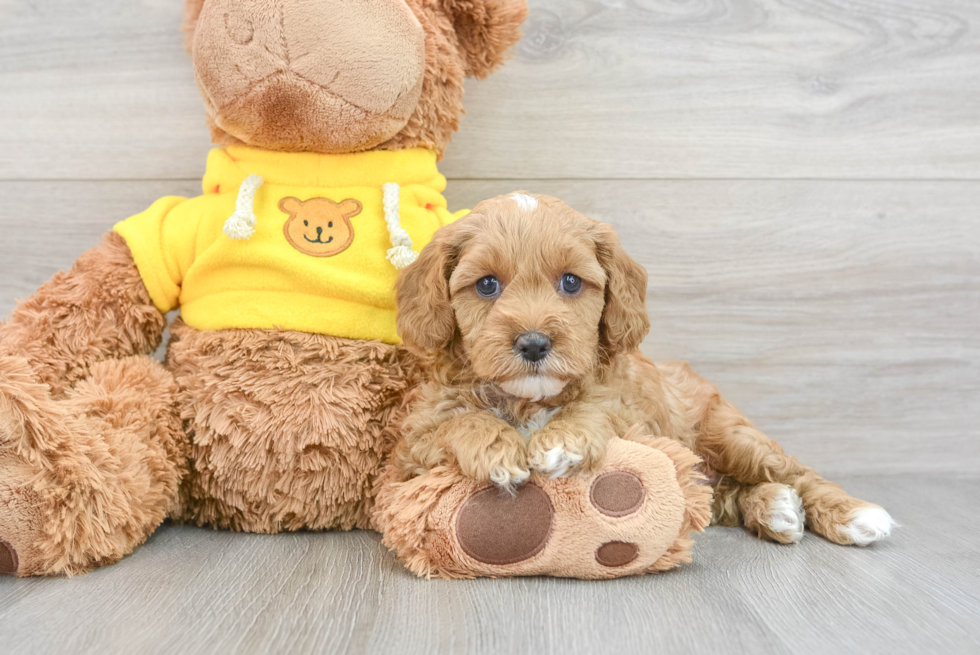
(482,398)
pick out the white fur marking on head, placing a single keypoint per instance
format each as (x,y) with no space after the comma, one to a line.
(868,525)
(786,515)
(555,462)
(524,201)
(240,226)
(533,387)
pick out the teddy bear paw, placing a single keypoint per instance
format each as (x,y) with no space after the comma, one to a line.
(21,519)
(632,516)
(8,559)
(500,529)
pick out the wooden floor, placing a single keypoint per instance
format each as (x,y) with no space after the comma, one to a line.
(197,591)
(801,179)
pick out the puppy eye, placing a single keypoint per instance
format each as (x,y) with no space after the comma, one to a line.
(330,224)
(488,286)
(306,222)
(571,284)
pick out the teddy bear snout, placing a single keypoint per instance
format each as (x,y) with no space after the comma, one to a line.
(357,67)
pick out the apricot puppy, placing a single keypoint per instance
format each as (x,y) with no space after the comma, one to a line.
(532,315)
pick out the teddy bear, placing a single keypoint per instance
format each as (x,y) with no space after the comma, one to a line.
(283,382)
(284,385)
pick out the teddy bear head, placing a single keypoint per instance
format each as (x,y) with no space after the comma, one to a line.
(336,76)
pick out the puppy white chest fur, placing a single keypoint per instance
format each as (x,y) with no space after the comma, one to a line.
(533,387)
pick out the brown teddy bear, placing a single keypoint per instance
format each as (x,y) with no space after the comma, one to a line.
(283,379)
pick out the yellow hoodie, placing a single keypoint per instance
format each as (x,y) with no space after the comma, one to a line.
(310,244)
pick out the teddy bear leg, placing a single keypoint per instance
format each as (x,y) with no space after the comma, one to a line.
(21,518)
(288,429)
(85,478)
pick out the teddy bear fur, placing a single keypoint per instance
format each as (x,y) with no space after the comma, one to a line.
(253,430)
(462,38)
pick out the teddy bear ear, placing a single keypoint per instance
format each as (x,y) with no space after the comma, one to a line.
(350,208)
(486,30)
(290,205)
(192,10)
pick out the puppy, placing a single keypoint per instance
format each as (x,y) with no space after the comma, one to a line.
(531,316)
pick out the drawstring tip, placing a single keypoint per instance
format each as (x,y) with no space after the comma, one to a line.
(241,225)
(401,256)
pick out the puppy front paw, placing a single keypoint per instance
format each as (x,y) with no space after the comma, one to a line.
(503,462)
(508,477)
(557,453)
(555,462)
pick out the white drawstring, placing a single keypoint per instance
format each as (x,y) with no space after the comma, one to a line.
(400,254)
(241,224)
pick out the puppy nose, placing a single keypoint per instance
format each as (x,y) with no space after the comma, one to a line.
(533,346)
(319,230)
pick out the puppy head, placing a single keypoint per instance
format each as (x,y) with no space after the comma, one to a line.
(532,293)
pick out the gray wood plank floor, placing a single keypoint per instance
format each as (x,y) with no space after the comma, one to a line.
(800,177)
(863,89)
(197,591)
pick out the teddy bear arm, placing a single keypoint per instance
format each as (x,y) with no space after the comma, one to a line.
(98,310)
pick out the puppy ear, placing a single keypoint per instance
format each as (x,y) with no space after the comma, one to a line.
(192,10)
(625,322)
(425,315)
(486,30)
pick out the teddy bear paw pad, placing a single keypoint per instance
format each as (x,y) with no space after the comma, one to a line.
(617,493)
(494,527)
(616,553)
(8,559)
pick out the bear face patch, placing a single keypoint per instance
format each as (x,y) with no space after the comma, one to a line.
(319,227)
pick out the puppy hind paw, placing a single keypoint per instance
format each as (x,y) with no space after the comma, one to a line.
(786,517)
(555,462)
(867,525)
(773,511)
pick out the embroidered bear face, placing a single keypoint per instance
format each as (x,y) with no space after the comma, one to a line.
(319,227)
